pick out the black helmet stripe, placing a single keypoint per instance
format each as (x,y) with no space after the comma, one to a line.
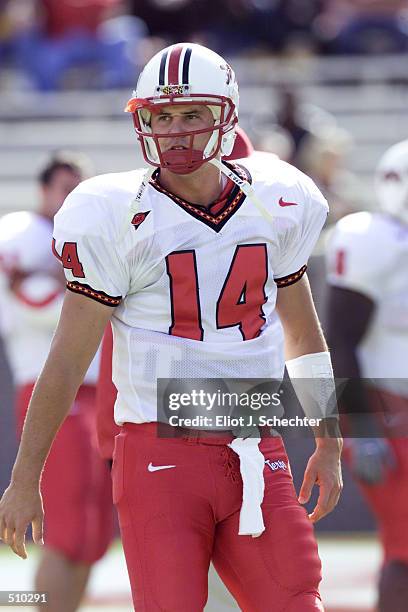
(162,67)
(186,65)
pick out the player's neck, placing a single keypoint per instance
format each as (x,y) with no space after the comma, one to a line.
(200,187)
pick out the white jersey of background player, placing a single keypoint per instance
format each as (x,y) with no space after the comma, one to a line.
(29,314)
(368,253)
(152,260)
(31,293)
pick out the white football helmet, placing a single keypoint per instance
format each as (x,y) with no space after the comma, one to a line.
(392,181)
(186,73)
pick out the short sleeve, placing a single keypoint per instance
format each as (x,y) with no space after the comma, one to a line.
(354,260)
(298,241)
(92,262)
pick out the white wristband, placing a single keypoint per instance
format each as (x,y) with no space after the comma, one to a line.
(313,381)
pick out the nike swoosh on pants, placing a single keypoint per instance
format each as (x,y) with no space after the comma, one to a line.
(156,468)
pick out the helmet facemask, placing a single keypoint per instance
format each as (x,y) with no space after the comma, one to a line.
(221,133)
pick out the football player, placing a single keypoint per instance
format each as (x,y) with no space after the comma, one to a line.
(106,428)
(106,392)
(367,256)
(194,261)
(75,481)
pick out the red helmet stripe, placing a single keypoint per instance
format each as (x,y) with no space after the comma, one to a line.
(174,61)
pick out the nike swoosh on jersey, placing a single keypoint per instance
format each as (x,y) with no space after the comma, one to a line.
(156,468)
(283,203)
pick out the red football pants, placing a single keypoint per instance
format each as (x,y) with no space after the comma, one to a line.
(389,499)
(174,521)
(389,502)
(75,484)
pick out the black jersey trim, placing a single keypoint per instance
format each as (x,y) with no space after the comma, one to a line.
(99,296)
(217,221)
(291,279)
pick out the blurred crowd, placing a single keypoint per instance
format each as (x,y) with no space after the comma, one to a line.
(310,138)
(47,40)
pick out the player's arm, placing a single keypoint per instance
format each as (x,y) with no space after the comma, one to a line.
(76,340)
(304,337)
(303,333)
(349,314)
(371,454)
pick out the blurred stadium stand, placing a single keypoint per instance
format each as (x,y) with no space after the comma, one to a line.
(367,96)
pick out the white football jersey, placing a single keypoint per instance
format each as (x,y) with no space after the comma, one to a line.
(29,314)
(368,253)
(194,289)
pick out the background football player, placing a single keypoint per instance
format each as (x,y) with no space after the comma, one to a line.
(75,481)
(367,258)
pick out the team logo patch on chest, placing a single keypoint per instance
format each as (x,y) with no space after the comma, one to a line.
(139,218)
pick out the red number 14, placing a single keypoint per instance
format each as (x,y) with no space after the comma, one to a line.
(239,303)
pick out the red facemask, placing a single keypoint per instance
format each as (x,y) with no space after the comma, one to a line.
(180,161)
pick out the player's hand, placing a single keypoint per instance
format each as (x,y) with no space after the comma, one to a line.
(371,459)
(323,469)
(19,507)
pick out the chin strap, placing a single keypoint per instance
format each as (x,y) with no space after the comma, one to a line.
(134,206)
(244,186)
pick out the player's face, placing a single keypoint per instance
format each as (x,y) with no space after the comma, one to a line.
(63,181)
(175,119)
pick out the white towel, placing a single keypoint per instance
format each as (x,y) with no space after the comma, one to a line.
(252,463)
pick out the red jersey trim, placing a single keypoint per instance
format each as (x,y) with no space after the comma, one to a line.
(54,250)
